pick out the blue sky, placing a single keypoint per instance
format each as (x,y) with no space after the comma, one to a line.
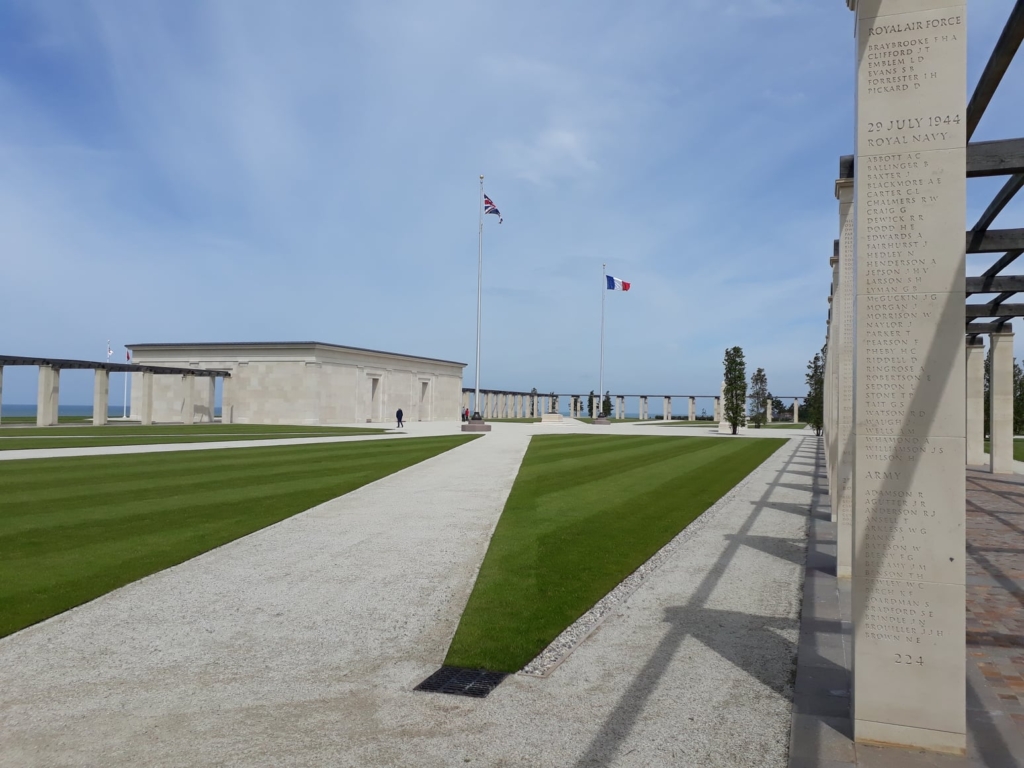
(230,171)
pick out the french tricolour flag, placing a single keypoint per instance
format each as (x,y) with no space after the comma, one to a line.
(614,284)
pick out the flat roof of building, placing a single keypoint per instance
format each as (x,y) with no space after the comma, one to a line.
(288,344)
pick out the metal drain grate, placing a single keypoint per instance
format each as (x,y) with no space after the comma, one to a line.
(462,682)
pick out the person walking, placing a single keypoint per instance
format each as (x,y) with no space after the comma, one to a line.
(399,417)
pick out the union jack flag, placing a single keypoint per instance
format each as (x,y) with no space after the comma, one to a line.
(490,207)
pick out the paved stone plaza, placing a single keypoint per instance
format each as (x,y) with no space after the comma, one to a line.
(995,642)
(300,644)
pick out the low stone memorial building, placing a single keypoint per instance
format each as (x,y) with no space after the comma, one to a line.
(304,382)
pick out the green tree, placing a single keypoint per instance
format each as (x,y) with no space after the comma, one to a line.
(778,409)
(534,403)
(759,398)
(606,406)
(814,404)
(735,405)
(590,404)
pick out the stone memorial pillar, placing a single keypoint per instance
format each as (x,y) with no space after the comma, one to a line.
(723,425)
(909,391)
(666,409)
(693,409)
(188,407)
(146,415)
(976,402)
(842,353)
(796,411)
(717,410)
(48,400)
(1,394)
(1000,403)
(100,396)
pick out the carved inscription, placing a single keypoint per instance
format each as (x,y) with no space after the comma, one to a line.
(899,614)
(909,186)
(902,57)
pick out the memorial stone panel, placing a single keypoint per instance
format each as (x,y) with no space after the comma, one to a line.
(843,308)
(909,374)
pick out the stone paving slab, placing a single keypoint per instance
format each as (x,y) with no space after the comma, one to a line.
(300,644)
(821,729)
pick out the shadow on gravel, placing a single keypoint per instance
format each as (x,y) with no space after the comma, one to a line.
(750,642)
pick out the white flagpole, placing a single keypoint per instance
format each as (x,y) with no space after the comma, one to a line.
(479,297)
(600,386)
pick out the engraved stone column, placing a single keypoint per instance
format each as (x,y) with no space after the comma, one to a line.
(146,415)
(718,409)
(909,389)
(667,406)
(48,400)
(976,401)
(100,396)
(188,407)
(693,409)
(796,410)
(1,393)
(842,334)
(1000,407)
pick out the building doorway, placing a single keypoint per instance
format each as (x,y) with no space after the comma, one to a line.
(424,408)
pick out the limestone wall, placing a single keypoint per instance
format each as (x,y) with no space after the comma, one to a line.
(304,384)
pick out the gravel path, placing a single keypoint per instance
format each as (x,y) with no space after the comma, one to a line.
(299,645)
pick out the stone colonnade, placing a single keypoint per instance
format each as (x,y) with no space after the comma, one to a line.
(497,404)
(48,393)
(1000,433)
(902,404)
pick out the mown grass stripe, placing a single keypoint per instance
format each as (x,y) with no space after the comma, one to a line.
(585,511)
(72,529)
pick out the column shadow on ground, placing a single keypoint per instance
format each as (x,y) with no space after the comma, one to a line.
(752,643)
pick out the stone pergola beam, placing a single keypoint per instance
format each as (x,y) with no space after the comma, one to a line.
(995,240)
(1003,157)
(1003,53)
(995,309)
(995,284)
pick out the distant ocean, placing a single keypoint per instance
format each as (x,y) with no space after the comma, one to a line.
(69,411)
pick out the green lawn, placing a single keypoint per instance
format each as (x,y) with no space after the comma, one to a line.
(585,511)
(1018,449)
(5,420)
(681,423)
(20,438)
(777,425)
(73,529)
